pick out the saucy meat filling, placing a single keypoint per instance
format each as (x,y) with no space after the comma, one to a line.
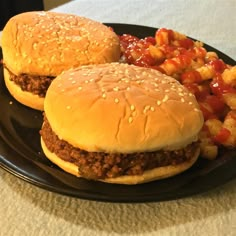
(35,84)
(100,165)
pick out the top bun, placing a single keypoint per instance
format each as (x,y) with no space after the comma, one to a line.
(46,43)
(122,108)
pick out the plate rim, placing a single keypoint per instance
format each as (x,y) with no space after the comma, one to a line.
(12,169)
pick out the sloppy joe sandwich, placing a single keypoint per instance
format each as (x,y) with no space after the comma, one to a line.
(120,123)
(38,46)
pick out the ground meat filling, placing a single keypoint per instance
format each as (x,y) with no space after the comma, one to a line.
(99,165)
(37,85)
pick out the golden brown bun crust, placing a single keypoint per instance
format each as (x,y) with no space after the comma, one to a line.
(46,43)
(147,176)
(122,108)
(24,97)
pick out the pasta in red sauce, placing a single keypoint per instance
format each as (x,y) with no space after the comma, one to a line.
(208,77)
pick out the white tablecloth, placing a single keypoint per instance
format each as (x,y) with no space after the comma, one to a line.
(29,210)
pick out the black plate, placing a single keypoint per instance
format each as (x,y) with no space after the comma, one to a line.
(21,155)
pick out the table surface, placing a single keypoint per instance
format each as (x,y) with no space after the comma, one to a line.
(29,210)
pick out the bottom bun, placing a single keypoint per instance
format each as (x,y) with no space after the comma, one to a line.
(147,176)
(24,97)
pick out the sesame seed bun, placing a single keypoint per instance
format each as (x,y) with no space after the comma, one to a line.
(120,108)
(47,43)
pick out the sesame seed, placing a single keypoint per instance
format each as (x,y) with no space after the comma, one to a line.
(116,100)
(116,89)
(146,108)
(158,102)
(104,95)
(68,107)
(79,88)
(24,55)
(152,109)
(132,108)
(130,119)
(182,100)
(126,71)
(35,45)
(165,98)
(139,81)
